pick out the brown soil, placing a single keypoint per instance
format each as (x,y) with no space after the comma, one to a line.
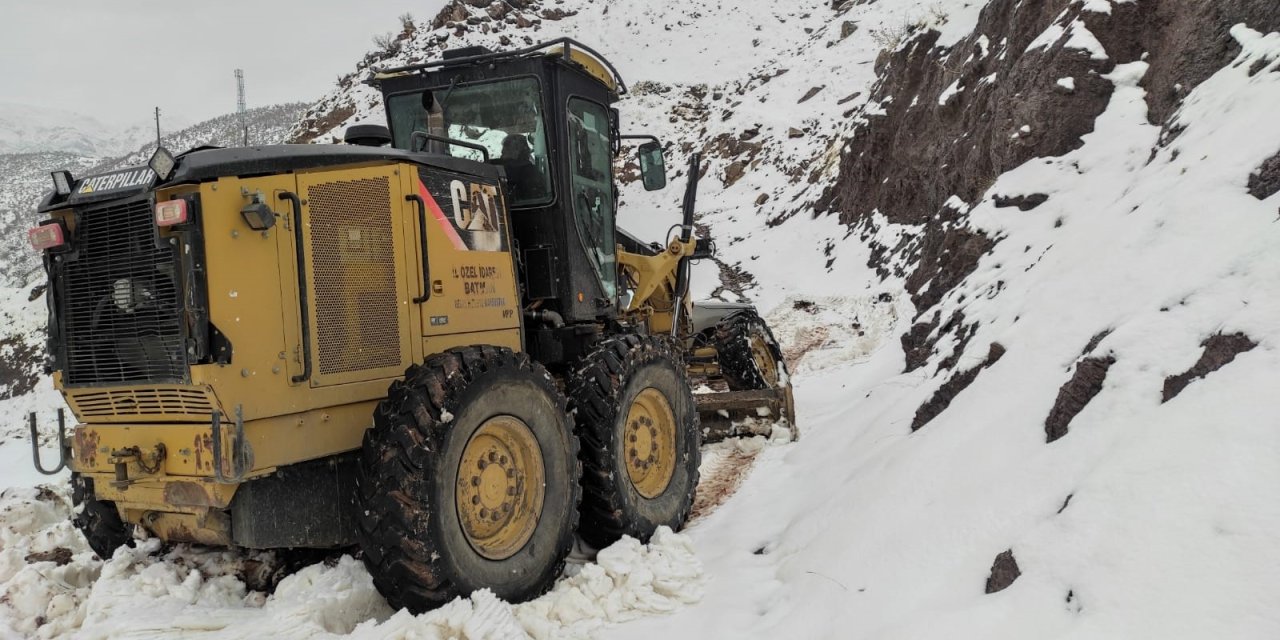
(1073,396)
(721,481)
(1219,350)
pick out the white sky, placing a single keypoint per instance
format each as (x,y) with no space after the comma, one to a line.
(118,60)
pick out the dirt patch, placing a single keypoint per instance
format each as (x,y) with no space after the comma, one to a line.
(720,478)
(945,394)
(1219,350)
(58,556)
(1004,570)
(1084,384)
(1265,182)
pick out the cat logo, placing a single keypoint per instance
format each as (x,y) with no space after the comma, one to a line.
(126,179)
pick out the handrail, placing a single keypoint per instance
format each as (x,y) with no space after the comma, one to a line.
(62,444)
(303,305)
(422,239)
(413,139)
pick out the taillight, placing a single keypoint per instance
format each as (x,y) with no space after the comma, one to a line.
(171,212)
(47,236)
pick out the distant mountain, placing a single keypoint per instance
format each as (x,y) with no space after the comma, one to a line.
(31,129)
(26,174)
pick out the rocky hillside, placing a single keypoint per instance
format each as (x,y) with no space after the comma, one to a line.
(28,175)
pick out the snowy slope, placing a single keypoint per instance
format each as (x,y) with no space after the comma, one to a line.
(1065,429)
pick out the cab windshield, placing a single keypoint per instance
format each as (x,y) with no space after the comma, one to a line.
(504,117)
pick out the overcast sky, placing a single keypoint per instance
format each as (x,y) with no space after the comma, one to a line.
(117,60)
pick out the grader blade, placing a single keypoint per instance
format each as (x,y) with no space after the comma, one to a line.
(728,414)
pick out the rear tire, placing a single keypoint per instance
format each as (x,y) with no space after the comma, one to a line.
(633,397)
(423,485)
(98,520)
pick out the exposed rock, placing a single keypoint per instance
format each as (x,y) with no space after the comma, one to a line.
(20,361)
(1096,340)
(1004,570)
(1219,350)
(734,172)
(848,28)
(942,398)
(1265,182)
(793,132)
(810,93)
(1073,396)
(761,199)
(1022,202)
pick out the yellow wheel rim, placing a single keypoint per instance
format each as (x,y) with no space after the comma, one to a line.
(500,487)
(649,443)
(765,364)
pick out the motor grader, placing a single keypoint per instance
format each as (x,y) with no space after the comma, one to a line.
(432,342)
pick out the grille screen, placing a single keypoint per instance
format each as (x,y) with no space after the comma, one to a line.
(357,313)
(141,402)
(119,299)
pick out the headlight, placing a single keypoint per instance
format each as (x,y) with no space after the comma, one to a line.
(129,296)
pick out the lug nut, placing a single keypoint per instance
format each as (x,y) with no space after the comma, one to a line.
(493,456)
(511,473)
(502,460)
(511,491)
(475,481)
(482,464)
(484,513)
(475,499)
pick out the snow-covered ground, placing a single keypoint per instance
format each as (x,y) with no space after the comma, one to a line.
(1148,518)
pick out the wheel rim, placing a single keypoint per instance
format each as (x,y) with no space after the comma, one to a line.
(500,487)
(763,357)
(649,443)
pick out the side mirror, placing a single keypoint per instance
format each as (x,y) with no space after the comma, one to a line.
(653,167)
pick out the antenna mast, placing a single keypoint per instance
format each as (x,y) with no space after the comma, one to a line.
(158,141)
(240,108)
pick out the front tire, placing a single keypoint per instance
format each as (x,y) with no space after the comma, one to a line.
(749,355)
(468,480)
(640,439)
(98,520)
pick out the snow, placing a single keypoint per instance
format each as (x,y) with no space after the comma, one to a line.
(864,528)
(1067,83)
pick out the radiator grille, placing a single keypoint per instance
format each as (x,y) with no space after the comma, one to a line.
(356,307)
(119,299)
(142,402)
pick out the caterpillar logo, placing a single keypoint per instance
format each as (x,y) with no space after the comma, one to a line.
(125,179)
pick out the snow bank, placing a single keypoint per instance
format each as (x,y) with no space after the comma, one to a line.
(54,585)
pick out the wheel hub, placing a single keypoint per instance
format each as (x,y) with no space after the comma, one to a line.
(765,363)
(649,443)
(500,487)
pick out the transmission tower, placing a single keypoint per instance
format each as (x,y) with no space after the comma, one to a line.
(240,108)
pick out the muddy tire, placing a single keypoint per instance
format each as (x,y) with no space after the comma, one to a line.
(98,520)
(640,439)
(749,355)
(468,480)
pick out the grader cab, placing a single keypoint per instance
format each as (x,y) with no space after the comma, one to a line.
(432,342)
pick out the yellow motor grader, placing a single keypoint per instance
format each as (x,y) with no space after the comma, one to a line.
(432,342)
